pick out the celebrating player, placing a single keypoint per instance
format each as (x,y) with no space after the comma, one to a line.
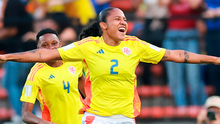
(111,57)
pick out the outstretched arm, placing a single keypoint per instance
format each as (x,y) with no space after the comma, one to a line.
(181,56)
(37,55)
(29,117)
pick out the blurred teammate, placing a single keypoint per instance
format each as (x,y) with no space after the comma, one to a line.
(211,113)
(111,57)
(55,85)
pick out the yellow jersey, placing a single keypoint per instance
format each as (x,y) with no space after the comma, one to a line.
(56,88)
(111,83)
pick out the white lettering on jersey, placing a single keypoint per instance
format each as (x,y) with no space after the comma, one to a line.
(155,47)
(27,89)
(68,46)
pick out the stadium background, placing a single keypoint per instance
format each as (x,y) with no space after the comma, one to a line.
(158,106)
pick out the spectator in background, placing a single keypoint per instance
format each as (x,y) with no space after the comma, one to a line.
(64,28)
(16,22)
(153,17)
(211,113)
(212,21)
(52,11)
(182,34)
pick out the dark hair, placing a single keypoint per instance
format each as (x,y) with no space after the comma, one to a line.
(45,31)
(94,29)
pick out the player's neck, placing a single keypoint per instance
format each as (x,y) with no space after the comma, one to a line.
(55,63)
(109,41)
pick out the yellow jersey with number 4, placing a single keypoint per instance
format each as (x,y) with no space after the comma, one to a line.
(111,84)
(56,88)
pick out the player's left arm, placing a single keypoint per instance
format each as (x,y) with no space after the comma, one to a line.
(29,117)
(181,56)
(81,84)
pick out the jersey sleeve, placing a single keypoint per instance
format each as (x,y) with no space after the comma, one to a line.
(81,69)
(30,89)
(150,53)
(71,52)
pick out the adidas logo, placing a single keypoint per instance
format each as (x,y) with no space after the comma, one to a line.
(51,76)
(100,51)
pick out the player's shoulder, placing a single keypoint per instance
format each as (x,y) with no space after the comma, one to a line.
(131,38)
(88,40)
(37,67)
(35,71)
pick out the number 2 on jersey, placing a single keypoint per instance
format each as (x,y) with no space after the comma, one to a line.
(112,67)
(66,87)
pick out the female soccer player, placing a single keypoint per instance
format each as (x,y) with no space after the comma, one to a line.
(111,57)
(55,85)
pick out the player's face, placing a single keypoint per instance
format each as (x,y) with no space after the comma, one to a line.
(116,25)
(49,41)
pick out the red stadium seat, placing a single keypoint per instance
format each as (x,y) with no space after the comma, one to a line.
(156,90)
(156,70)
(181,112)
(124,5)
(193,111)
(3,93)
(169,112)
(139,70)
(144,91)
(3,113)
(166,91)
(2,72)
(130,26)
(157,112)
(145,112)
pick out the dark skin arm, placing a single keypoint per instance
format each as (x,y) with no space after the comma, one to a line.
(29,117)
(81,84)
(37,55)
(181,56)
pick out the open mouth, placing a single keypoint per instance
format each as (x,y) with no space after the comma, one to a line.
(121,30)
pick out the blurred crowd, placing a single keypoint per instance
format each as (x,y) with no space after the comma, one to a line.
(191,25)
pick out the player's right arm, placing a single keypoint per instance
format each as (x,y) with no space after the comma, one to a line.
(29,117)
(37,55)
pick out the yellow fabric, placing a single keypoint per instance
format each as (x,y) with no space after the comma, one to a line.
(52,8)
(62,100)
(84,11)
(56,8)
(112,71)
(42,1)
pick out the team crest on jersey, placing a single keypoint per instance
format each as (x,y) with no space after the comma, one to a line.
(72,70)
(126,50)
